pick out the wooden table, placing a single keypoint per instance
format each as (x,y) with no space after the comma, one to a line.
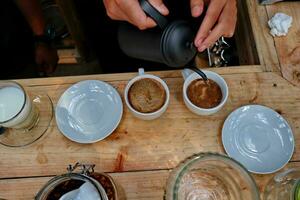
(279,54)
(140,154)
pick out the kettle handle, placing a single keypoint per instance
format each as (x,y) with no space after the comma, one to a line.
(161,21)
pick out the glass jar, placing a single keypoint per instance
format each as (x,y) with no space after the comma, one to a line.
(210,176)
(284,186)
(106,187)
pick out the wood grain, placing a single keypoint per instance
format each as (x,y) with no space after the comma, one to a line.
(137,185)
(288,47)
(76,28)
(67,56)
(244,37)
(157,144)
(127,76)
(263,40)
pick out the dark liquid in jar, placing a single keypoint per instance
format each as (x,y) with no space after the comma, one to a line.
(71,185)
(64,188)
(204,94)
(106,184)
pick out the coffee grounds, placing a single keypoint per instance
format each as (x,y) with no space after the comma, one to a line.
(204,94)
(146,95)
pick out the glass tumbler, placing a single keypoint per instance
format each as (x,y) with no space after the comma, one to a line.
(284,186)
(24,116)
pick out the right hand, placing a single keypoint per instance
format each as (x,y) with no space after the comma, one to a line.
(131,11)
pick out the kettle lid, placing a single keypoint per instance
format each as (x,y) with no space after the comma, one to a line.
(177,44)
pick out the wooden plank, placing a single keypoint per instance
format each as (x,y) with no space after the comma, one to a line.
(67,56)
(263,40)
(244,38)
(288,47)
(127,76)
(157,144)
(75,27)
(137,185)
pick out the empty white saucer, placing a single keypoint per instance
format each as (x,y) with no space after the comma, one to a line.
(259,138)
(89,111)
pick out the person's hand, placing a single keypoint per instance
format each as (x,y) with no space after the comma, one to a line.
(131,11)
(220,20)
(46,58)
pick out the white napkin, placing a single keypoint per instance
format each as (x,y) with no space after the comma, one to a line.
(86,192)
(280,24)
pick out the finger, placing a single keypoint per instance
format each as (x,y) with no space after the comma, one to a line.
(114,11)
(225,26)
(49,68)
(196,7)
(229,18)
(40,66)
(210,19)
(135,14)
(51,64)
(160,6)
(213,36)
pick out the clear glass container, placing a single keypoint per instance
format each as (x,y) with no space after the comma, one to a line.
(24,115)
(210,176)
(105,186)
(284,186)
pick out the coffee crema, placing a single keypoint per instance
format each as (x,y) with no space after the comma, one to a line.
(204,94)
(146,95)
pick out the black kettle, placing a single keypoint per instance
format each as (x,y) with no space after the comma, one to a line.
(171,43)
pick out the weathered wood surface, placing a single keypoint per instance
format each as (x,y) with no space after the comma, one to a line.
(148,145)
(67,56)
(244,36)
(263,40)
(126,76)
(75,27)
(288,47)
(137,185)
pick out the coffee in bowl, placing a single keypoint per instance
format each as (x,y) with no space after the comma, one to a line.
(146,95)
(204,94)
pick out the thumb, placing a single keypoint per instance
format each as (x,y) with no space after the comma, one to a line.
(160,6)
(196,7)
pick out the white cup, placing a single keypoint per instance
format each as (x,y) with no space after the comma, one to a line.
(189,76)
(147,116)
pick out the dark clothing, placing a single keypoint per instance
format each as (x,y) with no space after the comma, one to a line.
(16,42)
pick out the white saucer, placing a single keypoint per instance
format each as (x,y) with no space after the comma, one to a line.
(259,138)
(89,111)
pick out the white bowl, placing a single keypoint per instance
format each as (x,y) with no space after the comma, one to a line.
(189,76)
(147,116)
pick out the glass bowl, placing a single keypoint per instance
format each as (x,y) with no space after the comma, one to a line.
(210,176)
(284,186)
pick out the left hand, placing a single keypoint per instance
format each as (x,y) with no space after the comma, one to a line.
(220,20)
(46,58)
